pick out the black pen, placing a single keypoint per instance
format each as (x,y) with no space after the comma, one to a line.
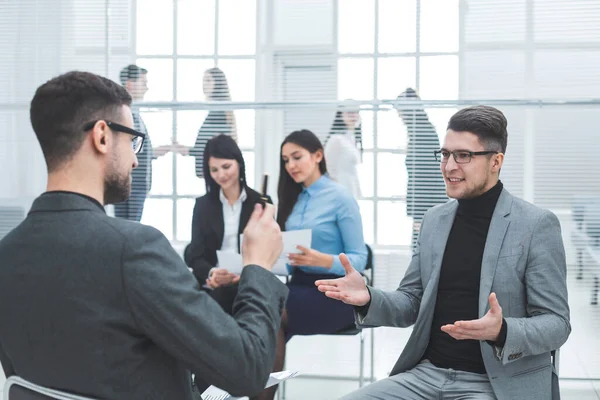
(263,192)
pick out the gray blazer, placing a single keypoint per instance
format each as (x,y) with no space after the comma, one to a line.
(105,308)
(523,263)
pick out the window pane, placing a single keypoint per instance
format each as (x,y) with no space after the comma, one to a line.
(190,75)
(159,214)
(397,26)
(154,27)
(367,128)
(159,124)
(394,228)
(160,78)
(355,78)
(439,78)
(162,175)
(391,175)
(367,214)
(185,211)
(366,175)
(391,132)
(394,75)
(356,26)
(439,25)
(241,78)
(245,127)
(187,181)
(195,20)
(237,27)
(188,125)
(250,169)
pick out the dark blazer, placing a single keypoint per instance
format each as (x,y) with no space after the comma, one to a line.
(208,228)
(105,308)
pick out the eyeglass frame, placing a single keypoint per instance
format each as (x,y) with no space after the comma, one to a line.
(471,154)
(118,128)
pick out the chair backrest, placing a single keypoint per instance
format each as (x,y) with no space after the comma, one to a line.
(17,388)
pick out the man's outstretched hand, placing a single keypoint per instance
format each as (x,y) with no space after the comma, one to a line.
(351,289)
(485,328)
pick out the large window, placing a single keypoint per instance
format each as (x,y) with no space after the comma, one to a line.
(385,46)
(177,40)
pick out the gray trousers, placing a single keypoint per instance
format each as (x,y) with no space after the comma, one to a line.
(426,382)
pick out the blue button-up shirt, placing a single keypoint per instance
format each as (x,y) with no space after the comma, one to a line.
(332,213)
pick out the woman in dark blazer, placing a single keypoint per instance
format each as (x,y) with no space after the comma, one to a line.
(219,217)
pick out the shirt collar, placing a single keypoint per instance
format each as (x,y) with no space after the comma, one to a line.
(319,184)
(241,199)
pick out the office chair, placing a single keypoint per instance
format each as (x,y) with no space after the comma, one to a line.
(17,388)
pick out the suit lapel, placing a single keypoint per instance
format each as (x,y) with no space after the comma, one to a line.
(493,244)
(247,208)
(219,223)
(442,231)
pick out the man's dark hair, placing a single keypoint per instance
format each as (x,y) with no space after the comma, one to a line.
(487,123)
(63,105)
(131,72)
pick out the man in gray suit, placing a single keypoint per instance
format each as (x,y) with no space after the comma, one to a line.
(486,287)
(104,307)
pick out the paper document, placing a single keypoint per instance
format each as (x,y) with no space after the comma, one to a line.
(214,393)
(291,239)
(231,261)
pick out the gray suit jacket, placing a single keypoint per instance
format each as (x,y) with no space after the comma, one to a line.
(105,308)
(523,263)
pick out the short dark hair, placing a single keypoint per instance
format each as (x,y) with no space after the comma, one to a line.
(131,72)
(487,123)
(63,105)
(222,146)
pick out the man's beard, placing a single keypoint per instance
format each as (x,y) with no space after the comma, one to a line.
(117,188)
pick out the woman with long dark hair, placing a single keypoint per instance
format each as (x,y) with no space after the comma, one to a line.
(215,88)
(425,187)
(219,217)
(343,149)
(309,199)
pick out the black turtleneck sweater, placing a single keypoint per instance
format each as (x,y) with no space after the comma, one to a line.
(458,290)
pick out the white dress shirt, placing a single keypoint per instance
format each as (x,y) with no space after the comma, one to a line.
(342,158)
(231,221)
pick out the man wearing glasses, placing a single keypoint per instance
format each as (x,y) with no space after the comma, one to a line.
(135,80)
(104,307)
(485,289)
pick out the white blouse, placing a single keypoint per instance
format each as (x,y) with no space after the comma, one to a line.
(343,157)
(231,221)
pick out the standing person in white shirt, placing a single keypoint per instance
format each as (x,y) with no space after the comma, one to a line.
(343,149)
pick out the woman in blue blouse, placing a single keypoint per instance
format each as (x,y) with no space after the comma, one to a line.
(309,199)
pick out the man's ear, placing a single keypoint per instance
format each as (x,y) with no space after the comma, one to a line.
(497,162)
(101,137)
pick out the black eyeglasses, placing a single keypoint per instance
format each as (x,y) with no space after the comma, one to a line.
(460,156)
(138,141)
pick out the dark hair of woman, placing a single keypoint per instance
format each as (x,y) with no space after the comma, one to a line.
(287,189)
(222,146)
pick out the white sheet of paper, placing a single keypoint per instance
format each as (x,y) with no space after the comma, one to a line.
(231,261)
(214,393)
(291,239)
(234,263)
